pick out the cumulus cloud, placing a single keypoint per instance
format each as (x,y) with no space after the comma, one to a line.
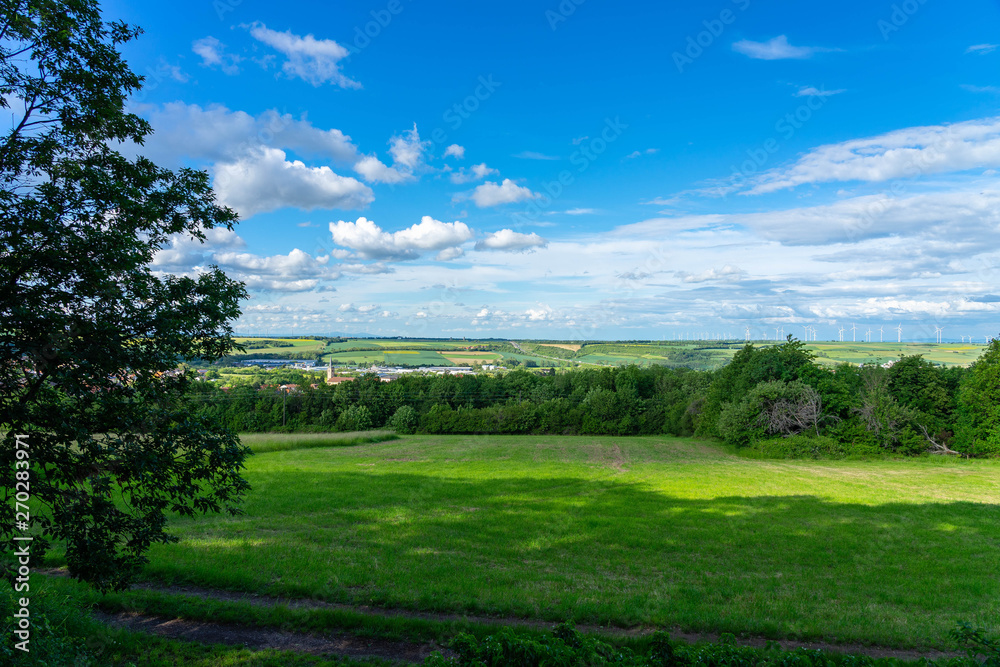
(266,181)
(316,61)
(507,192)
(408,152)
(370,241)
(213,54)
(898,154)
(475,173)
(184,253)
(374,170)
(777,48)
(456,151)
(215,133)
(298,271)
(511,241)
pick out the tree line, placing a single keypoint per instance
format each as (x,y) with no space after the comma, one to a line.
(776,399)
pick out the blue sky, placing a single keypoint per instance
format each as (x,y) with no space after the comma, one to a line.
(585,169)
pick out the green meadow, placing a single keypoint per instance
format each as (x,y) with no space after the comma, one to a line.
(628,532)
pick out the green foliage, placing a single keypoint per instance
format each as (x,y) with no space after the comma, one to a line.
(566,646)
(800,447)
(356,417)
(61,635)
(771,408)
(979,405)
(91,335)
(978,643)
(405,420)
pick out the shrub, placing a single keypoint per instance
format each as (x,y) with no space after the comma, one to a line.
(404,420)
(800,447)
(61,634)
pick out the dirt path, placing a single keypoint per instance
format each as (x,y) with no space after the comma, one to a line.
(343,645)
(405,649)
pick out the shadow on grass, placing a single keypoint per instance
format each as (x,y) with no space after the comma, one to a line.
(606,552)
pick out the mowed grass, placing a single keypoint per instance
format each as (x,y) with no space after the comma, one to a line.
(625,531)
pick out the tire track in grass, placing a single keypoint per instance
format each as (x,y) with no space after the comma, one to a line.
(259,639)
(426,648)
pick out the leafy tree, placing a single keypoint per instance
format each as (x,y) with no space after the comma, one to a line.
(772,408)
(90,335)
(405,420)
(979,404)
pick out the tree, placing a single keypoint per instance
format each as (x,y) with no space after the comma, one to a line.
(91,336)
(979,404)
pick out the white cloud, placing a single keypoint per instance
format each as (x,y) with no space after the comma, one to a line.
(982,49)
(812,91)
(580,211)
(535,155)
(215,133)
(184,253)
(455,150)
(777,48)
(507,192)
(992,90)
(369,241)
(899,154)
(266,181)
(727,273)
(477,172)
(449,254)
(946,214)
(407,149)
(315,61)
(509,240)
(635,154)
(407,152)
(298,271)
(213,54)
(374,170)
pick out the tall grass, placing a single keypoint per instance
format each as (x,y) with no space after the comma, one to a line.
(283,442)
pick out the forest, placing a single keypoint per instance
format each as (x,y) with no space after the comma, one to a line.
(775,400)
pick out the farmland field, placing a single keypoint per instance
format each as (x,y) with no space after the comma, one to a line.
(694,354)
(623,531)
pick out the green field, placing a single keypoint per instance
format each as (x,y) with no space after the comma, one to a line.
(622,531)
(297,345)
(702,355)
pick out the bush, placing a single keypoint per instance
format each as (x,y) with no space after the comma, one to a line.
(800,447)
(355,418)
(566,646)
(61,634)
(404,420)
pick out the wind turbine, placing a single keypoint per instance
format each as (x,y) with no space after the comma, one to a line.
(854,332)
(842,334)
(748,334)
(938,331)
(880,332)
(899,332)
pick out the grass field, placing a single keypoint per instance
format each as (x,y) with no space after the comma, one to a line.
(297,345)
(417,352)
(624,531)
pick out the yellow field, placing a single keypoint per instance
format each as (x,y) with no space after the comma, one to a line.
(566,346)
